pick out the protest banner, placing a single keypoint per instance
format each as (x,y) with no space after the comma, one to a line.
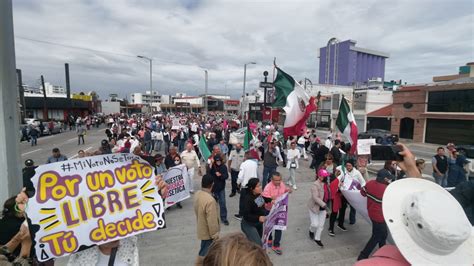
(357,201)
(277,218)
(91,201)
(178,188)
(363,146)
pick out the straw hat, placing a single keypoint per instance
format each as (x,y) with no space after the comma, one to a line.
(427,224)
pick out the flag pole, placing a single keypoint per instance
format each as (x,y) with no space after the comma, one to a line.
(273,81)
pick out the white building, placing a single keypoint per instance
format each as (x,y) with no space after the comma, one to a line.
(145,98)
(52,91)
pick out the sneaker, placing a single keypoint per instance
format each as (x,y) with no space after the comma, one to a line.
(232,194)
(269,242)
(277,250)
(225,222)
(319,243)
(331,233)
(295,187)
(342,228)
(311,235)
(238,217)
(179,205)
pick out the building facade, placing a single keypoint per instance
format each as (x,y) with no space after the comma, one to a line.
(435,113)
(342,63)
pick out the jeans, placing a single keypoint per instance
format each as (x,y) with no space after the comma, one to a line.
(167,147)
(442,179)
(220,196)
(267,174)
(148,146)
(317,223)
(205,244)
(234,175)
(379,236)
(79,137)
(332,220)
(252,231)
(34,140)
(158,145)
(181,143)
(342,213)
(276,241)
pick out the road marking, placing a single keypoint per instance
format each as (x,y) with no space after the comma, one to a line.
(70,140)
(23,154)
(75,155)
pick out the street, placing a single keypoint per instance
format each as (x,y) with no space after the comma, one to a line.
(177,243)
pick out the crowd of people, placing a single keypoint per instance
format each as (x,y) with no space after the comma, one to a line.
(165,141)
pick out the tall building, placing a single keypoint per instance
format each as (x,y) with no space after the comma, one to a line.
(342,63)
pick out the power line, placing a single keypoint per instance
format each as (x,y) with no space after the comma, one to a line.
(97,51)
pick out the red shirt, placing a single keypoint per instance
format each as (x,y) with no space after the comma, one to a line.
(374,192)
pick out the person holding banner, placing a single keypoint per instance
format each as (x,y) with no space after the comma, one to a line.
(123,252)
(253,212)
(350,179)
(272,191)
(317,207)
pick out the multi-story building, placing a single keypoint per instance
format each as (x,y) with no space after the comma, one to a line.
(342,63)
(147,98)
(51,91)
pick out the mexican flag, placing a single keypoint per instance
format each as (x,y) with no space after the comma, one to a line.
(203,148)
(298,105)
(247,139)
(284,85)
(346,124)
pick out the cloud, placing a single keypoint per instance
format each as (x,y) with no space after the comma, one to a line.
(424,38)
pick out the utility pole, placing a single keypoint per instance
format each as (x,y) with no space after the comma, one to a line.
(243,91)
(22,96)
(9,152)
(68,89)
(45,108)
(150,60)
(205,96)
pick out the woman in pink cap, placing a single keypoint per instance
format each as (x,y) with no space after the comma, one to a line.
(317,207)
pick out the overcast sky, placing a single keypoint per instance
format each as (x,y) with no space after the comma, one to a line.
(423,38)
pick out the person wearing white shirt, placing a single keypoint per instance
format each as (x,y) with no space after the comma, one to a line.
(328,143)
(293,155)
(159,140)
(350,179)
(191,160)
(248,170)
(301,141)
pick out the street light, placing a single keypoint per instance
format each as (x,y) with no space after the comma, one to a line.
(243,92)
(151,78)
(205,92)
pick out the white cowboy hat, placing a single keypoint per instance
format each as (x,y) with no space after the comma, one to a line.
(427,224)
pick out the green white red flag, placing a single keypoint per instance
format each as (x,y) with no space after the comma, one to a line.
(347,125)
(298,104)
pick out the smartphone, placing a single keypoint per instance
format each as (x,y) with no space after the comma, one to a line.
(386,152)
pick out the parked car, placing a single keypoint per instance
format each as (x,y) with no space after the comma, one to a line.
(468,151)
(32,121)
(380,136)
(57,128)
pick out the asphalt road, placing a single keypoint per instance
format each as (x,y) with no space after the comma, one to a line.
(66,142)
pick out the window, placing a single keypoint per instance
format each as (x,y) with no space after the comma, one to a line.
(461,101)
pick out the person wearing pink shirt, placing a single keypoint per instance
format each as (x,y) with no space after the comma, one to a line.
(272,191)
